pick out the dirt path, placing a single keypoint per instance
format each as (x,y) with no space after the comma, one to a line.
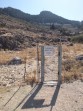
(67,97)
(14,97)
(41,100)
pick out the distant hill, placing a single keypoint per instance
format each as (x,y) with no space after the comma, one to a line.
(44,17)
(17,34)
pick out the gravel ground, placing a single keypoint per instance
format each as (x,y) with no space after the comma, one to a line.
(12,97)
(68,98)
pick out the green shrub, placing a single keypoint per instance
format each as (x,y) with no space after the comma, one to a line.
(2,24)
(78,39)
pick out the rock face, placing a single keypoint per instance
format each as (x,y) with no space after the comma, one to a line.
(79,57)
(15,61)
(14,42)
(19,41)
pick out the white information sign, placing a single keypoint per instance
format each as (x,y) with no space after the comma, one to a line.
(48,50)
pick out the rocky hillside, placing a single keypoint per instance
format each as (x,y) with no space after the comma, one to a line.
(16,34)
(43,17)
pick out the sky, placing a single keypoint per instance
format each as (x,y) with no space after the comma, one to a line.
(69,9)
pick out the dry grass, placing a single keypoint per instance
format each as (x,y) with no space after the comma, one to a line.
(4,90)
(30,54)
(31,78)
(74,74)
(72,51)
(71,69)
(6,56)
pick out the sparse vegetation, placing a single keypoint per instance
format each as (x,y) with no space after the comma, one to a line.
(52,27)
(72,69)
(72,72)
(77,39)
(31,78)
(7,56)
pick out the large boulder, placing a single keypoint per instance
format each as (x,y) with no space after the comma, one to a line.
(15,61)
(79,57)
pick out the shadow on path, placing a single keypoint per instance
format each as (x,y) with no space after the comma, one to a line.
(30,93)
(54,98)
(30,103)
(38,103)
(12,96)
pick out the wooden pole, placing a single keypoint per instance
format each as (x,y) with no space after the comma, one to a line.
(37,62)
(42,63)
(59,63)
(25,68)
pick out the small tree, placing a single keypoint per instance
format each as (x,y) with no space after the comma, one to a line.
(52,27)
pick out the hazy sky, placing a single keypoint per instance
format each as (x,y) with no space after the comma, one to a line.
(70,9)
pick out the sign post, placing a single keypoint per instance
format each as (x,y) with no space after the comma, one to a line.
(48,50)
(42,63)
(45,51)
